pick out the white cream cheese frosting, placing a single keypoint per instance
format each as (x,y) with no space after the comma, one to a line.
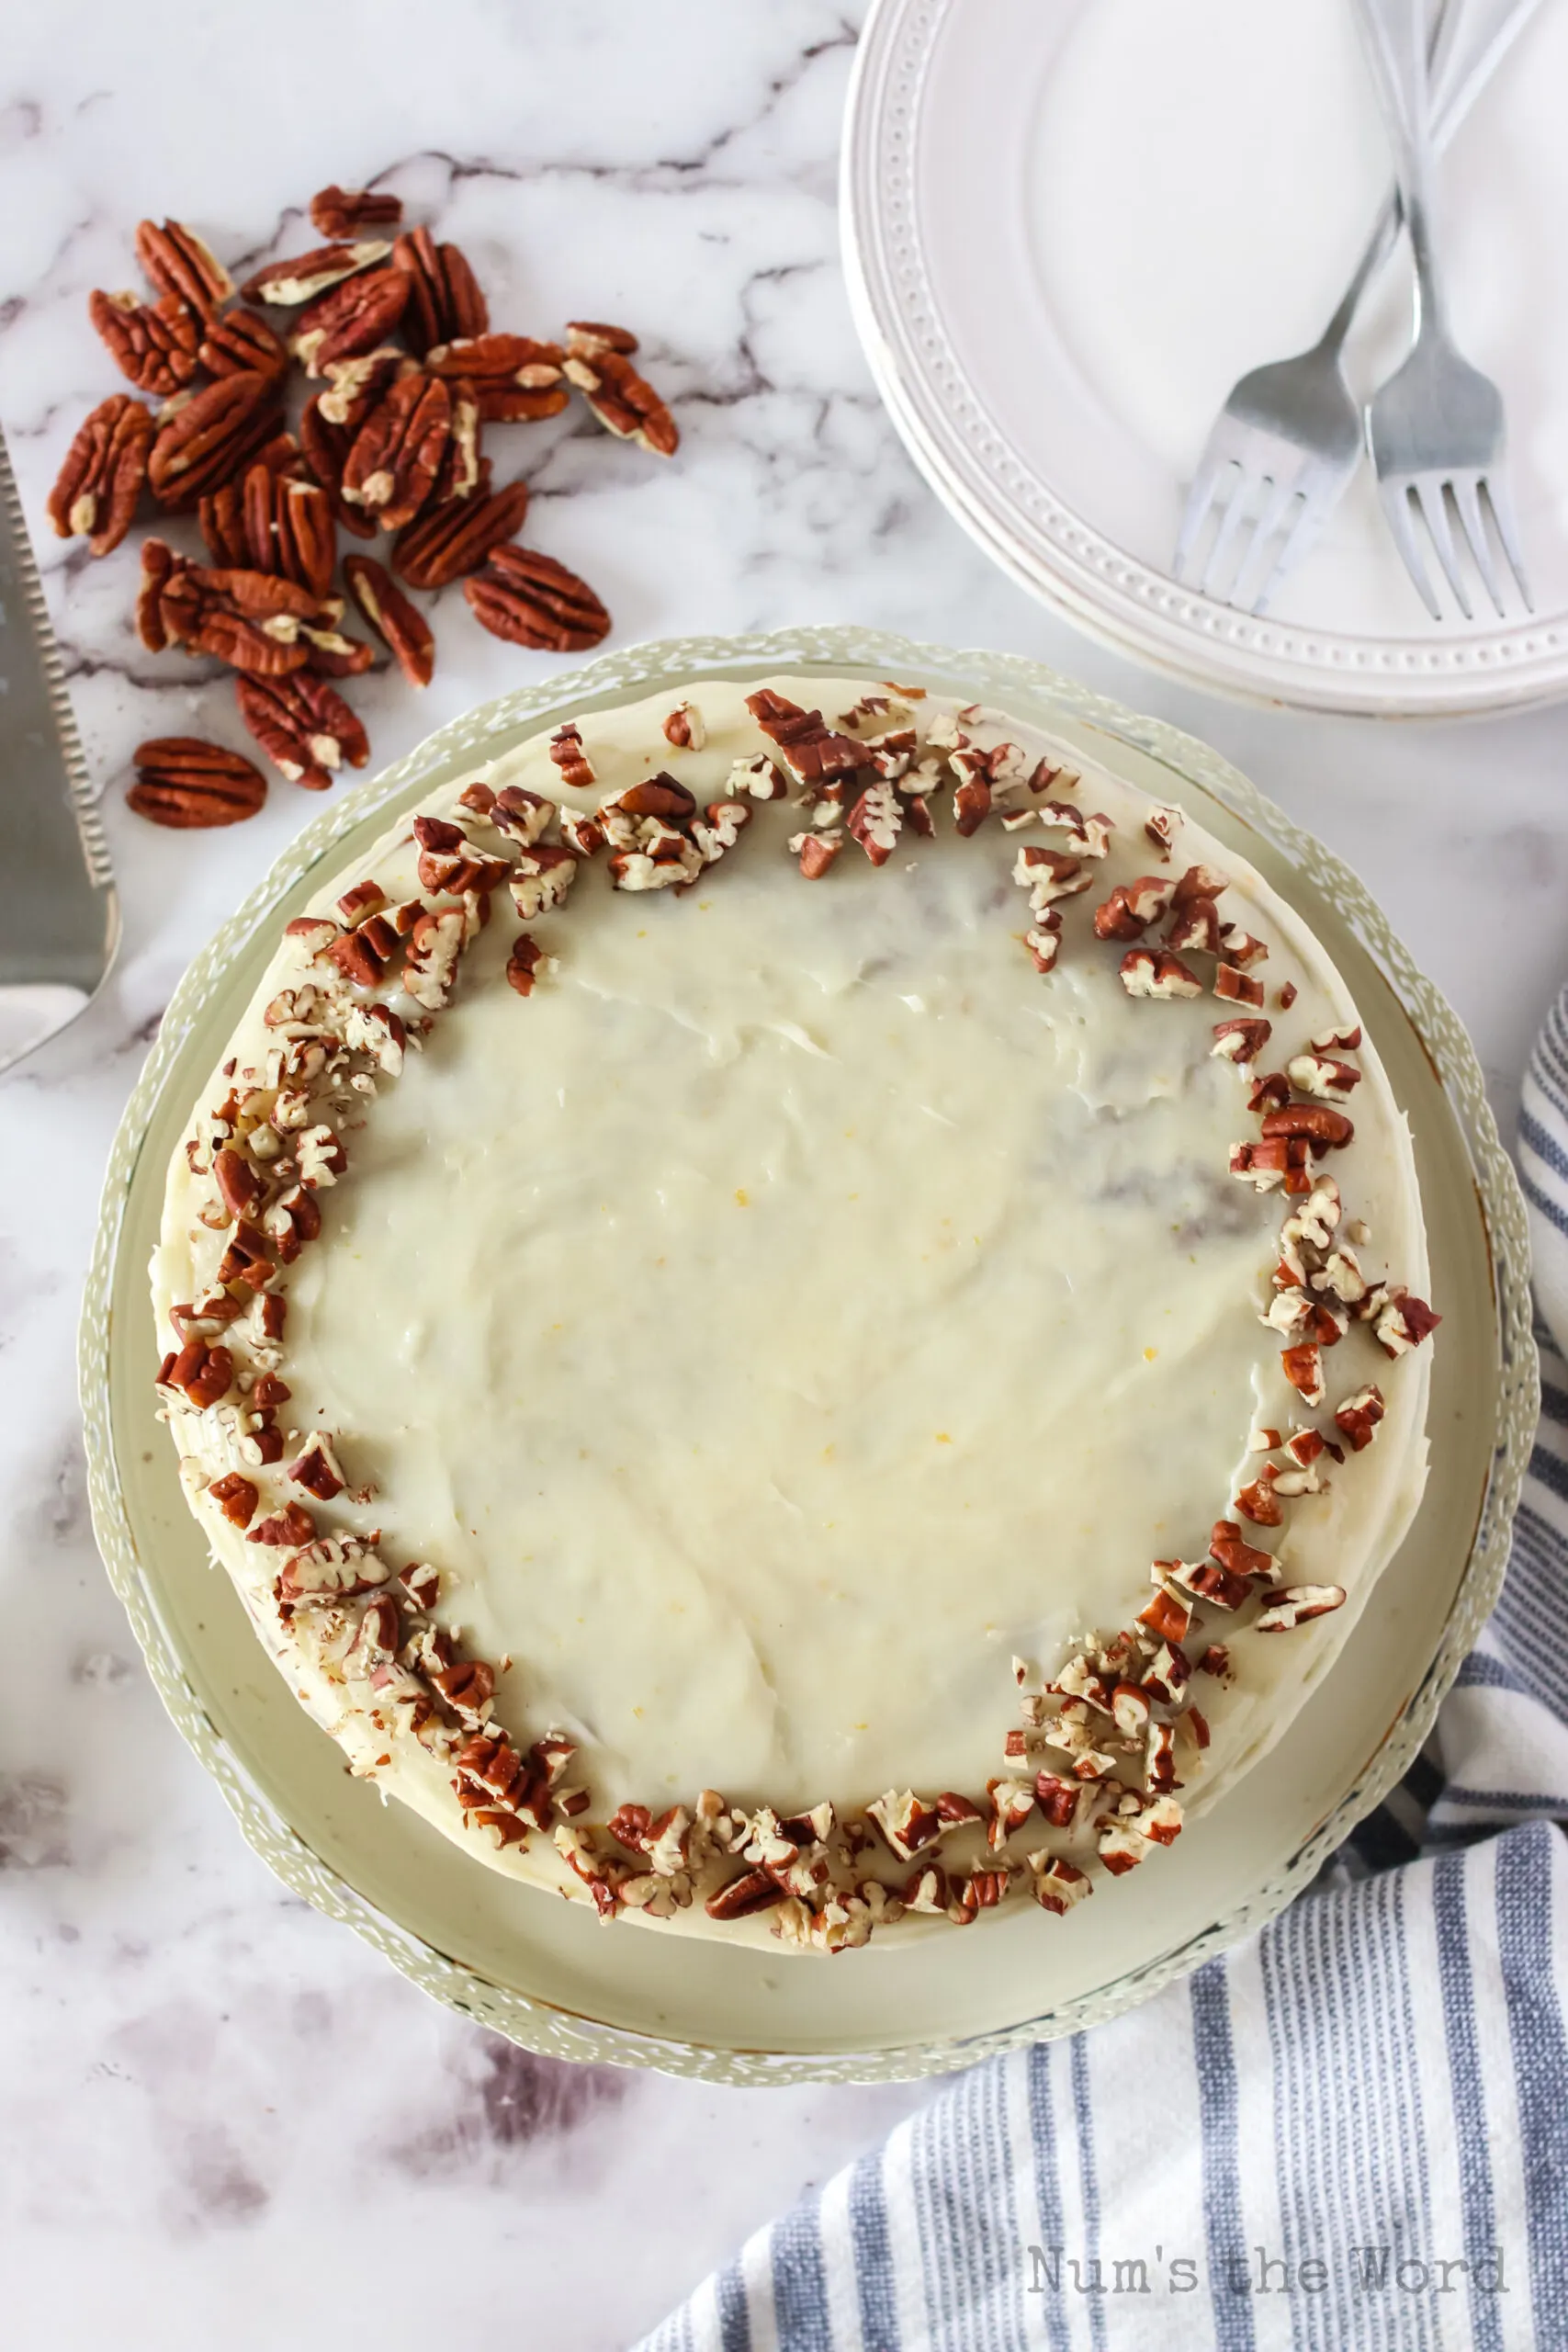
(799,1322)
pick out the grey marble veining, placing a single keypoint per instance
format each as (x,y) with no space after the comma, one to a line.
(218,2113)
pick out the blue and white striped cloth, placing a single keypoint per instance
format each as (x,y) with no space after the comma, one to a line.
(1351,2132)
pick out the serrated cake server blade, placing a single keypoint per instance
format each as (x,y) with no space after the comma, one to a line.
(59,911)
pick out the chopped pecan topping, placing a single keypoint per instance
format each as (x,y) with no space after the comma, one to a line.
(1166,1616)
(521,815)
(542,876)
(875,822)
(1296,1605)
(1132,907)
(759,778)
(814,752)
(181,781)
(1235,1555)
(449,542)
(153,343)
(1044,941)
(816,852)
(176,262)
(1400,1321)
(1344,1039)
(402,627)
(1236,987)
(533,600)
(1256,1502)
(236,1498)
(1241,1041)
(525,962)
(1160,825)
(756,1891)
(317,1469)
(1151,973)
(1318,1074)
(907,1822)
(1271,1092)
(1056,1885)
(1048,874)
(348,212)
(290,1530)
(1316,1121)
(1358,1416)
(100,482)
(1302,1368)
(567,751)
(683,728)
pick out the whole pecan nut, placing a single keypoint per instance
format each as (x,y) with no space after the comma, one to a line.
(397,453)
(348,211)
(222,515)
(464,468)
(448,542)
(400,626)
(242,343)
(352,317)
(176,262)
(205,438)
(306,729)
(588,337)
(625,402)
(153,343)
(288,529)
(181,781)
(444,297)
(99,484)
(531,599)
(288,284)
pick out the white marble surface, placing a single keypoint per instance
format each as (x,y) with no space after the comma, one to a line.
(201,2082)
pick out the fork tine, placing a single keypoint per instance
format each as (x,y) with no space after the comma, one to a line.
(1500,500)
(1429,491)
(1258,571)
(1466,489)
(1199,499)
(1212,583)
(1394,495)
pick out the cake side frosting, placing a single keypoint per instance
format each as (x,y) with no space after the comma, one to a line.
(801,1306)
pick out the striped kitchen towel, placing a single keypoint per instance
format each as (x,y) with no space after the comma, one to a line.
(1351,2132)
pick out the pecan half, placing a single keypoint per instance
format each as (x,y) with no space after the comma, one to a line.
(184,783)
(464,468)
(351,317)
(288,284)
(400,627)
(205,438)
(588,337)
(443,297)
(247,618)
(273,521)
(304,728)
(99,484)
(397,453)
(241,343)
(531,599)
(346,211)
(446,542)
(153,343)
(176,262)
(326,446)
(514,378)
(625,402)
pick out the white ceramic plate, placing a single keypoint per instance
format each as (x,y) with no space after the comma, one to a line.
(1069,228)
(546,1973)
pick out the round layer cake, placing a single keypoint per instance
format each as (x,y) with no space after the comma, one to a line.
(795,1311)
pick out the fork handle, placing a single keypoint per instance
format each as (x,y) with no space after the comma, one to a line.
(1394,35)
(1472,38)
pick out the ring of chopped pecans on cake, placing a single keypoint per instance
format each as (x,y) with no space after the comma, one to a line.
(1089,1773)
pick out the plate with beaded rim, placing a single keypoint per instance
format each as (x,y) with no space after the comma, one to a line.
(546,1973)
(1054,331)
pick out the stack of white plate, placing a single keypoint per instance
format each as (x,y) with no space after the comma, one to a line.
(1071,224)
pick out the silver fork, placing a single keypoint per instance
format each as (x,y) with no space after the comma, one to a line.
(1288,440)
(1436,429)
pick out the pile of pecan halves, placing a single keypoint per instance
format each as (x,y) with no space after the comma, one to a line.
(403,375)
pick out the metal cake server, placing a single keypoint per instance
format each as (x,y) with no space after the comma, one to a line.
(59,911)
